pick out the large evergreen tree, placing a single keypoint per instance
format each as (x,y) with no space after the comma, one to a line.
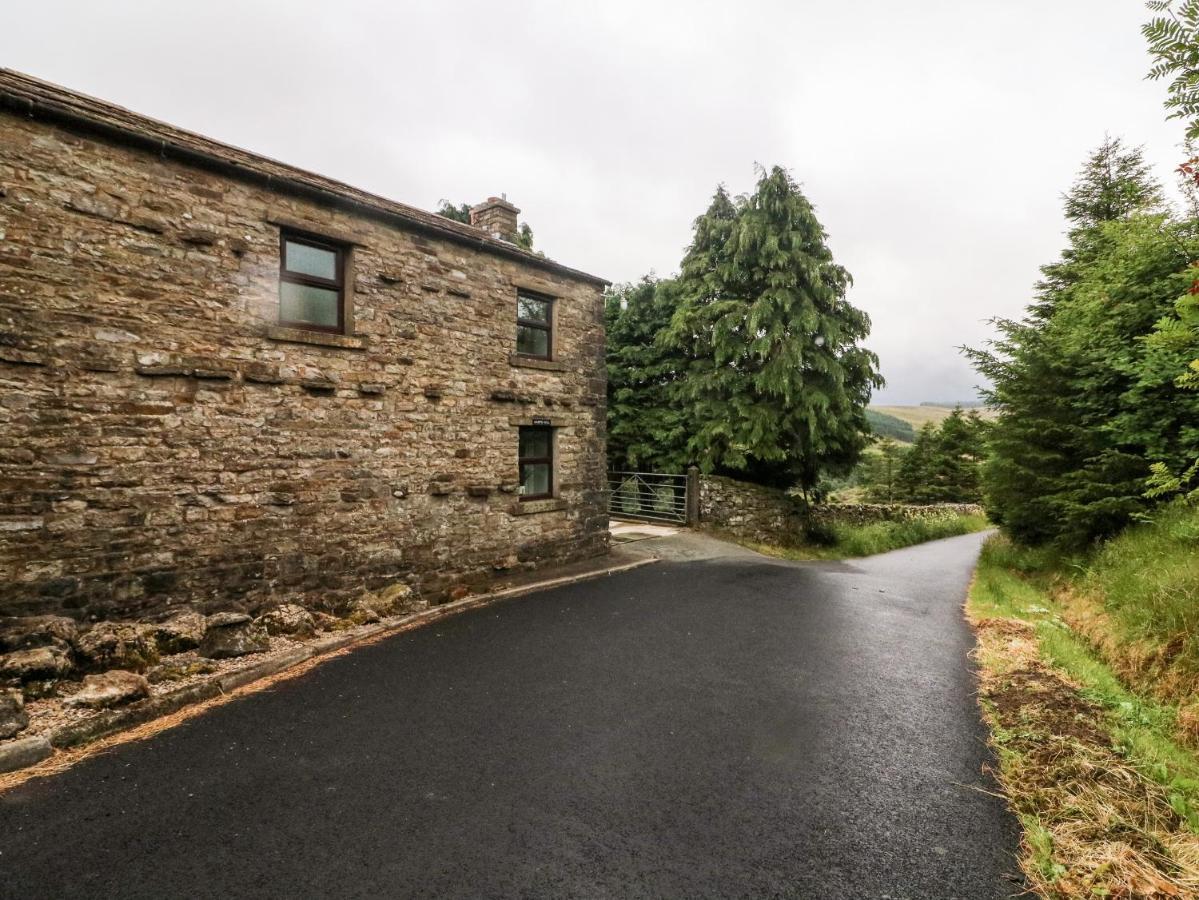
(777,383)
(957,454)
(915,469)
(1114,184)
(1173,38)
(878,472)
(646,423)
(943,464)
(1084,403)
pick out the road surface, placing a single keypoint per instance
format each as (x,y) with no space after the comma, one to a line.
(715,725)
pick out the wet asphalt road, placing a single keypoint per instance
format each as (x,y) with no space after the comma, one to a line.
(727,727)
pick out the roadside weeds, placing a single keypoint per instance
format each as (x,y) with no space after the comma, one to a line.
(1107,797)
(853,541)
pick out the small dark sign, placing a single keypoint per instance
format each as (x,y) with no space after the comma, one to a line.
(540,421)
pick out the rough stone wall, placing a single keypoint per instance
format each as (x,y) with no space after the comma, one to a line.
(749,511)
(769,515)
(868,513)
(161,443)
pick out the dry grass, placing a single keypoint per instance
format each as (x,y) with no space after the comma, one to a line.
(916,416)
(1148,664)
(1094,824)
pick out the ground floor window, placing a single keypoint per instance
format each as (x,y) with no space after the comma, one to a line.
(536,462)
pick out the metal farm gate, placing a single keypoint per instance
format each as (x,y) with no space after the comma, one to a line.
(654,496)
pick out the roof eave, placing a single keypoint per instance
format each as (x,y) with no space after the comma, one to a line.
(32,97)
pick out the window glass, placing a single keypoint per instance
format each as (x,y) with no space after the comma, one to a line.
(532,308)
(536,460)
(534,479)
(315,261)
(532,341)
(534,443)
(308,304)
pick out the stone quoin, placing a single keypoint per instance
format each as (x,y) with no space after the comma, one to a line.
(225,381)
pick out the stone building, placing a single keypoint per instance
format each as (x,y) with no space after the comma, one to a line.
(225,381)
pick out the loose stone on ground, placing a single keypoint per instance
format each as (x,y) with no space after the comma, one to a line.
(233,634)
(110,689)
(180,633)
(118,645)
(13,717)
(40,663)
(289,618)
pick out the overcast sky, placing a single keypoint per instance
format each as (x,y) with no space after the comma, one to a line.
(935,138)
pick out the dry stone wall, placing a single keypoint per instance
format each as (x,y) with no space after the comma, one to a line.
(749,511)
(769,515)
(869,513)
(162,443)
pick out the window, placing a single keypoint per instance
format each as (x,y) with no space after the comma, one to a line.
(536,462)
(311,284)
(534,329)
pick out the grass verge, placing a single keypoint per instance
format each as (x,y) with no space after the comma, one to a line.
(1107,794)
(844,541)
(1136,602)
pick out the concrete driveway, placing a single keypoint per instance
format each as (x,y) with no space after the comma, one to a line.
(717,725)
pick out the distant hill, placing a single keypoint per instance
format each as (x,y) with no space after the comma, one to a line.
(964,404)
(917,416)
(885,425)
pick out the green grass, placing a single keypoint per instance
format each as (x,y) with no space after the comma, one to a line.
(1040,843)
(1142,729)
(1141,592)
(1011,582)
(888,426)
(846,541)
(1148,578)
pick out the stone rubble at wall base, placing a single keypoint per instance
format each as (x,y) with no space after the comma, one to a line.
(111,657)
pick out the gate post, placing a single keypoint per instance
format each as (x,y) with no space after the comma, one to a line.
(692,496)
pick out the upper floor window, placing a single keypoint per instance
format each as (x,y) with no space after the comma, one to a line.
(311,284)
(534,325)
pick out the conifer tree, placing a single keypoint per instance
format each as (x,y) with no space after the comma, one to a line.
(915,469)
(646,423)
(1083,404)
(1114,184)
(879,472)
(777,382)
(957,453)
(1173,38)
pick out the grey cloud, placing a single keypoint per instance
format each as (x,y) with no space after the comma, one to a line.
(934,137)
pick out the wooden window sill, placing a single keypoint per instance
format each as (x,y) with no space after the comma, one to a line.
(532,507)
(317,338)
(532,362)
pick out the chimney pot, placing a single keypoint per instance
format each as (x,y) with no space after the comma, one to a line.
(497,217)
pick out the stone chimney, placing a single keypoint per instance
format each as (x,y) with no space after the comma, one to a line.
(497,217)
